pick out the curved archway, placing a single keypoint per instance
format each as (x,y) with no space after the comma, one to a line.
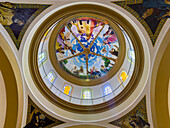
(159,85)
(13,84)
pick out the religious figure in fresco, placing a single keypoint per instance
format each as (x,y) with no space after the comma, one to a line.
(37,120)
(103,69)
(87,42)
(76,71)
(7,14)
(81,70)
(138,122)
(85,26)
(63,42)
(158,8)
(109,37)
(114,51)
(94,73)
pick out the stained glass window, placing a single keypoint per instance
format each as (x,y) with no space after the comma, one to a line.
(131,55)
(87,47)
(51,77)
(67,89)
(42,57)
(123,76)
(107,89)
(87,94)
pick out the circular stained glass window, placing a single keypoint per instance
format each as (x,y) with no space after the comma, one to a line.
(87,47)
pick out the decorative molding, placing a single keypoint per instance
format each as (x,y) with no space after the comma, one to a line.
(151,14)
(137,116)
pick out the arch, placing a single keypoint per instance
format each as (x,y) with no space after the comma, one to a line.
(159,85)
(13,83)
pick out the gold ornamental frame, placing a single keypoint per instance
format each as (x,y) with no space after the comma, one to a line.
(79,81)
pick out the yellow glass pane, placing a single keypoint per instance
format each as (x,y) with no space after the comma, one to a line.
(123,76)
(66,90)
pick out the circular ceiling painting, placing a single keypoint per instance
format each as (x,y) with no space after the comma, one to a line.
(87,47)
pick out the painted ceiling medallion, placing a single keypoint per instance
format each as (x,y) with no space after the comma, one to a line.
(87,47)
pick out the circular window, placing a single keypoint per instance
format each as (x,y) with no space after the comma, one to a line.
(87,49)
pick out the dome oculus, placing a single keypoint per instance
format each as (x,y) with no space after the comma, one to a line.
(87,47)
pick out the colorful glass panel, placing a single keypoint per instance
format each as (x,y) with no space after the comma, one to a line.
(67,89)
(131,55)
(87,94)
(42,57)
(107,89)
(123,76)
(51,77)
(87,47)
